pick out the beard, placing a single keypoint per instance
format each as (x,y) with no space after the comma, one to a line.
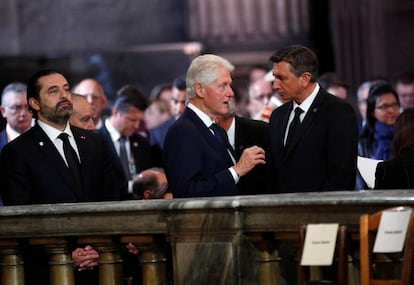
(59,114)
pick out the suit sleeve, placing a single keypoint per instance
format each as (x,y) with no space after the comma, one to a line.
(16,188)
(192,170)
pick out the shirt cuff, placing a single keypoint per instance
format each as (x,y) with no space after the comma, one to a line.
(234,174)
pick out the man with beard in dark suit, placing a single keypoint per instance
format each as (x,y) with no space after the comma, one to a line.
(54,162)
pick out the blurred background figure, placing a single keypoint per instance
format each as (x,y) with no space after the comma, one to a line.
(398,173)
(259,94)
(382,112)
(257,72)
(404,85)
(375,141)
(362,96)
(94,93)
(178,97)
(82,114)
(331,83)
(151,184)
(120,131)
(157,113)
(15,110)
(161,91)
(177,105)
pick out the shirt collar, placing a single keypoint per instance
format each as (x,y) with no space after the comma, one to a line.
(305,105)
(115,135)
(52,132)
(203,116)
(11,133)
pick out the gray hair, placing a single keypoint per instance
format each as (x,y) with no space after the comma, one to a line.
(16,87)
(204,69)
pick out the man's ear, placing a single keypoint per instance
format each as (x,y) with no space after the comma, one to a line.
(305,78)
(2,110)
(34,104)
(198,88)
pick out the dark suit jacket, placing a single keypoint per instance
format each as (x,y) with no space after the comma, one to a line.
(322,155)
(249,133)
(3,139)
(397,173)
(141,151)
(196,164)
(33,172)
(157,138)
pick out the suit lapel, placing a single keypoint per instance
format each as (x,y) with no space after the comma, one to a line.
(48,149)
(208,136)
(307,122)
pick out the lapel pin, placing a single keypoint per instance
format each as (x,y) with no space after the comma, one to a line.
(135,144)
(82,137)
(315,110)
(41,143)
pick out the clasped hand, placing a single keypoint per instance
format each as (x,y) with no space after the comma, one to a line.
(85,258)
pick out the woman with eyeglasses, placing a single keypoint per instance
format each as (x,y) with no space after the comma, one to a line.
(375,141)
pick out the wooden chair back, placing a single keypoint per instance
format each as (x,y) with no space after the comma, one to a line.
(368,228)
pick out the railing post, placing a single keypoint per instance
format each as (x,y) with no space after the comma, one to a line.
(152,259)
(110,261)
(11,263)
(60,260)
(268,260)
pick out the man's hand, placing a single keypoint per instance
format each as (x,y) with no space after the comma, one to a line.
(85,258)
(250,157)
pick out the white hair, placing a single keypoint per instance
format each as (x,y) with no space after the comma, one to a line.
(204,69)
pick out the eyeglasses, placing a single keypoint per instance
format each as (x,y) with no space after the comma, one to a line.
(18,108)
(385,107)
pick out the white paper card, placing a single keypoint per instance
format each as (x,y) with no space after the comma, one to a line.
(367,168)
(392,231)
(319,245)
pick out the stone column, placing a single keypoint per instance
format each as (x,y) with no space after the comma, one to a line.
(110,262)
(60,260)
(11,263)
(152,258)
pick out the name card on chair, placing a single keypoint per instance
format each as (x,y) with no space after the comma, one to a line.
(319,244)
(392,231)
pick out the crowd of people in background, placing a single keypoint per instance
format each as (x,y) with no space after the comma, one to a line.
(292,131)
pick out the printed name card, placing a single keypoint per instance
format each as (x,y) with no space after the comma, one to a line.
(392,231)
(319,245)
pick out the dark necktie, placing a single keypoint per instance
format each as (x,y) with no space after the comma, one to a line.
(124,157)
(72,160)
(221,136)
(293,126)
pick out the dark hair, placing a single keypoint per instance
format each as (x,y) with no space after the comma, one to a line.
(180,83)
(130,96)
(403,132)
(301,58)
(158,89)
(331,79)
(376,91)
(33,87)
(406,77)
